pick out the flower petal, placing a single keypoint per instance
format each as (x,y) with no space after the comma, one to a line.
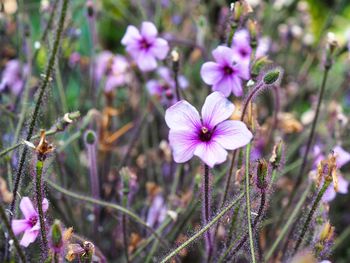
(343,185)
(236,87)
(27,208)
(232,134)
(18,226)
(153,87)
(343,156)
(29,237)
(223,55)
(131,35)
(160,48)
(329,194)
(146,61)
(149,30)
(216,109)
(211,153)
(182,116)
(183,144)
(211,73)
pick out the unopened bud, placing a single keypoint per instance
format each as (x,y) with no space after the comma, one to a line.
(56,234)
(273,76)
(90,137)
(90,8)
(262,174)
(327,232)
(175,57)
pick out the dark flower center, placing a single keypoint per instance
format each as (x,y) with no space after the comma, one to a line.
(144,44)
(205,134)
(33,220)
(228,70)
(243,52)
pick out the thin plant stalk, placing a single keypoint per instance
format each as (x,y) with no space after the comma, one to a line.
(311,136)
(247,190)
(42,89)
(207,210)
(12,235)
(39,200)
(311,213)
(287,225)
(203,230)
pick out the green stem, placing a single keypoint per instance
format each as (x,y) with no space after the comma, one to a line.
(203,230)
(288,224)
(116,207)
(311,213)
(12,235)
(39,199)
(247,193)
(35,115)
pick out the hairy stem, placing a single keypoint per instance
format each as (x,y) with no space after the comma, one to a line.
(35,115)
(311,213)
(12,235)
(39,200)
(203,230)
(291,219)
(245,237)
(207,210)
(247,193)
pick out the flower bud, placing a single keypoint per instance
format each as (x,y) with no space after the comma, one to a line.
(90,8)
(56,234)
(261,172)
(273,76)
(90,137)
(237,9)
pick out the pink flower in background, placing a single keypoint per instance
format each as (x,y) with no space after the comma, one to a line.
(113,68)
(241,46)
(226,73)
(164,88)
(144,46)
(13,76)
(207,136)
(30,225)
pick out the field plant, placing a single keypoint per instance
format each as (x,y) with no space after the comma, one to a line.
(174,131)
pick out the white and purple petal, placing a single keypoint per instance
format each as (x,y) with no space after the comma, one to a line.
(211,153)
(216,109)
(183,144)
(27,208)
(131,36)
(232,134)
(183,116)
(20,225)
(211,73)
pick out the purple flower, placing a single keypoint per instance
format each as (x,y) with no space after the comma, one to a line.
(144,46)
(226,73)
(30,225)
(241,46)
(164,88)
(209,136)
(13,76)
(114,68)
